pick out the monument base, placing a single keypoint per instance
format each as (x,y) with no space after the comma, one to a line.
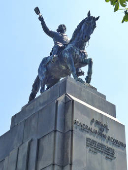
(71,126)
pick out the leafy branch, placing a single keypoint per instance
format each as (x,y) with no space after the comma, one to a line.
(117,4)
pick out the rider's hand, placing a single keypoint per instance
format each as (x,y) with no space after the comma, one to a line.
(37,11)
(40,17)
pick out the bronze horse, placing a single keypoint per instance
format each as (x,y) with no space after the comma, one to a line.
(70,58)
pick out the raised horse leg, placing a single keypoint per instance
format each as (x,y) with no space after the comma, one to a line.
(79,72)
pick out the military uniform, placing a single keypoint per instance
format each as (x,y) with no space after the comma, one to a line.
(59,39)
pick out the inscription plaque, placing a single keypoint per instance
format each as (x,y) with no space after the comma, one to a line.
(90,130)
(96,147)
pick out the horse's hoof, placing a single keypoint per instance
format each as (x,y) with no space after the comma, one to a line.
(88,79)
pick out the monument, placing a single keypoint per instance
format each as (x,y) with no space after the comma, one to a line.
(70,126)
(67,56)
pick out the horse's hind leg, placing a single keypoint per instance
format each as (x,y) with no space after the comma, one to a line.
(42,86)
(52,83)
(42,81)
(42,76)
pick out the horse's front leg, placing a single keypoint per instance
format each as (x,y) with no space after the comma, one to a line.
(89,62)
(70,63)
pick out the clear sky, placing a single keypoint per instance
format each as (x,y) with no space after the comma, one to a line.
(23,44)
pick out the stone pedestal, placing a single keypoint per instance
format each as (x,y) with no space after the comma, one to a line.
(69,127)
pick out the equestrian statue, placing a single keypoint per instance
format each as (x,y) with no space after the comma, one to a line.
(67,56)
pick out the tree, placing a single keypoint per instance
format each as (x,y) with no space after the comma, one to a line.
(116,4)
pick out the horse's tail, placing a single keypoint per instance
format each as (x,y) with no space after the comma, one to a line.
(35,89)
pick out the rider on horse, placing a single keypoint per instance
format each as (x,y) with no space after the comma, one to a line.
(72,57)
(59,37)
(60,40)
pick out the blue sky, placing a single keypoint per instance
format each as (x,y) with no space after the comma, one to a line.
(23,44)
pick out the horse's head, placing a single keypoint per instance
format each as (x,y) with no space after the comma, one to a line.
(88,26)
(83,31)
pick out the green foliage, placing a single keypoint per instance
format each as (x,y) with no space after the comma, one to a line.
(125,18)
(116,7)
(116,4)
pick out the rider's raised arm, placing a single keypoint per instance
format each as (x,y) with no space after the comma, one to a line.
(45,28)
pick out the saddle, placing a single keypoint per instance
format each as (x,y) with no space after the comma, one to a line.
(62,47)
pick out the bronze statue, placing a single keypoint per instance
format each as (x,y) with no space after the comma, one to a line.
(67,55)
(59,37)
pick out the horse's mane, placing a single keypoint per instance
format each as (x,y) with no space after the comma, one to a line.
(77,30)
